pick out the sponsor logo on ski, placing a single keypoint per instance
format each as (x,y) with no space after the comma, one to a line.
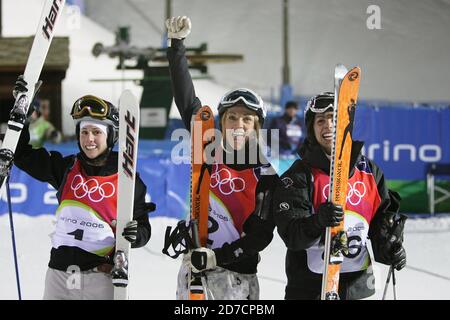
(353,76)
(50,19)
(337,193)
(205,115)
(128,153)
(197,205)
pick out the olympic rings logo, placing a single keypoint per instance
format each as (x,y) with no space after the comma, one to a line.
(96,192)
(354,193)
(227,184)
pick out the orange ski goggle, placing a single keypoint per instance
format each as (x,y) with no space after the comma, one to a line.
(90,106)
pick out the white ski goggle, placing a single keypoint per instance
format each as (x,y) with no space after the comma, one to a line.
(247,96)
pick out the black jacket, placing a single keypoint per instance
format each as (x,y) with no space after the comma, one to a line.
(52,167)
(296,227)
(259,226)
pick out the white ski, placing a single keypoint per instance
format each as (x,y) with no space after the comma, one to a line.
(51,11)
(128,146)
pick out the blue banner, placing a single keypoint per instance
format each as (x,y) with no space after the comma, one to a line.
(166,177)
(167,186)
(404,141)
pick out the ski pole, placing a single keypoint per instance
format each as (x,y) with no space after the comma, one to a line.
(13,238)
(393,283)
(387,283)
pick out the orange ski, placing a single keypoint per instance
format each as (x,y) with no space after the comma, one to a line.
(202,134)
(346,94)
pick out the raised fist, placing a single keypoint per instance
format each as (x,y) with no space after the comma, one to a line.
(178,27)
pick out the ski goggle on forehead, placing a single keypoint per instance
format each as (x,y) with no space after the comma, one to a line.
(251,99)
(90,106)
(320,104)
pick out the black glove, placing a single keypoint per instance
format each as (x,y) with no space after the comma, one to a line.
(329,215)
(391,251)
(398,257)
(20,86)
(6,160)
(130,232)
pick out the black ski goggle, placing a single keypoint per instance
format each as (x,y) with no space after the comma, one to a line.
(90,106)
(320,104)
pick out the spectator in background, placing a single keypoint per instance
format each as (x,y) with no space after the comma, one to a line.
(41,129)
(290,134)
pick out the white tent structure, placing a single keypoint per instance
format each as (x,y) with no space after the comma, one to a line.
(406,59)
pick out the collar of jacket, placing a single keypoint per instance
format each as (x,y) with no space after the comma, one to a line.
(109,168)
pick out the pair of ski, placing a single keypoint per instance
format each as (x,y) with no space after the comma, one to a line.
(128,139)
(346,86)
(194,234)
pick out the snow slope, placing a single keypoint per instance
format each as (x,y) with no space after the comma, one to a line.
(154,275)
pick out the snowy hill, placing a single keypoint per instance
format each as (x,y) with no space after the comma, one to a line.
(426,276)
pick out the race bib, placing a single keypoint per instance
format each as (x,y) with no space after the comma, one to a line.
(78,225)
(358,257)
(221,228)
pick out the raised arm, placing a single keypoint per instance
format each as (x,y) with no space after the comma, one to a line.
(182,86)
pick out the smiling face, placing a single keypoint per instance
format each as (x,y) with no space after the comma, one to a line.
(239,123)
(93,141)
(323,130)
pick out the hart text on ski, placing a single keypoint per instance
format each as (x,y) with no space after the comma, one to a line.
(128,153)
(50,19)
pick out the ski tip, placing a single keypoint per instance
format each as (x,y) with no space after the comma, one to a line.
(127,97)
(340,71)
(354,74)
(355,69)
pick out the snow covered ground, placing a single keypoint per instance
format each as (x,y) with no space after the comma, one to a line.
(426,276)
